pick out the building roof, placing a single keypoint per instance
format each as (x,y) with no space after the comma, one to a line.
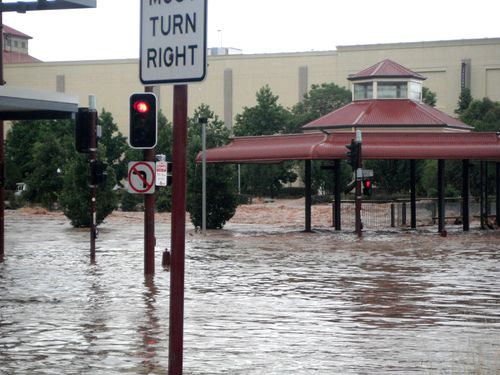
(11,57)
(11,31)
(386,113)
(385,69)
(320,146)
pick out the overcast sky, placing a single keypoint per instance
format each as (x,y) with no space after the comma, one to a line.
(261,26)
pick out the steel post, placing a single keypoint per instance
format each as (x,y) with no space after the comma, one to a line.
(338,201)
(465,195)
(441,204)
(308,194)
(497,192)
(179,152)
(413,193)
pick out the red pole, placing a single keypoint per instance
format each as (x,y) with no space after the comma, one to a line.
(149,218)
(2,153)
(176,329)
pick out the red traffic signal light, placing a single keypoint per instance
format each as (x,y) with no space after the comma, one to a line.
(367,187)
(143,120)
(141,106)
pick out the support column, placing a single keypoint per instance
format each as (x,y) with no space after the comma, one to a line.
(465,195)
(338,200)
(481,195)
(497,192)
(413,193)
(441,206)
(308,194)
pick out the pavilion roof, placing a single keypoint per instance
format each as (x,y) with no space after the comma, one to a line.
(383,113)
(376,145)
(385,69)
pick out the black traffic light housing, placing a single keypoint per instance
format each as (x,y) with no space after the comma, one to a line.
(98,173)
(143,127)
(354,154)
(83,129)
(170,168)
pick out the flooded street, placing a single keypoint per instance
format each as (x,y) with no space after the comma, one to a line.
(260,299)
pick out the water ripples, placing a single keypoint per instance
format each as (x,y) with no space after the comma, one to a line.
(258,301)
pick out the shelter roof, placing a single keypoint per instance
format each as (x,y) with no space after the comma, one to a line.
(385,69)
(20,104)
(386,113)
(381,145)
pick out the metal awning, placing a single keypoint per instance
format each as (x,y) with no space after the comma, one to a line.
(23,6)
(27,104)
(376,145)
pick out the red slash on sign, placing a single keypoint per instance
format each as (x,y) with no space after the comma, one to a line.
(141,177)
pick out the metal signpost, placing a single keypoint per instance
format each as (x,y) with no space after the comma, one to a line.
(173,50)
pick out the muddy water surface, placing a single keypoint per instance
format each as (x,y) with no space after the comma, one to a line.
(259,300)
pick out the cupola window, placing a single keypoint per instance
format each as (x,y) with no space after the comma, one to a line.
(363,91)
(392,90)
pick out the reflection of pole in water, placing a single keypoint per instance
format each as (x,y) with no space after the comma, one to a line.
(151,328)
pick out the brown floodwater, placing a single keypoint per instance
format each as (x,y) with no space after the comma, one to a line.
(260,299)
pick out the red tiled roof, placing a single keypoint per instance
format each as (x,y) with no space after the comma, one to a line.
(9,30)
(386,69)
(386,113)
(319,146)
(18,58)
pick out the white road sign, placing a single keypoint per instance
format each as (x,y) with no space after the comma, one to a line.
(141,177)
(161,173)
(173,41)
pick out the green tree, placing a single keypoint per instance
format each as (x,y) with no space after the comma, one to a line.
(319,101)
(483,115)
(75,196)
(35,152)
(267,117)
(464,101)
(429,97)
(221,186)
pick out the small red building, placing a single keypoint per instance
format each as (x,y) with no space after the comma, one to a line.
(387,108)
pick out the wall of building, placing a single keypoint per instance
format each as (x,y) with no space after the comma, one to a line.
(233,80)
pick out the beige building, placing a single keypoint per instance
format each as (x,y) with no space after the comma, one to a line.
(233,79)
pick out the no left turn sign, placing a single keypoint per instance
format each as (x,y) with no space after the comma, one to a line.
(141,177)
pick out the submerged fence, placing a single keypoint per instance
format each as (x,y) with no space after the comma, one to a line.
(395,214)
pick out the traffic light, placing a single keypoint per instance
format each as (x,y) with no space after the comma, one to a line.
(367,187)
(98,172)
(170,168)
(353,155)
(82,130)
(143,120)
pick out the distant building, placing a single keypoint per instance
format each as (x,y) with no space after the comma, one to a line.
(15,47)
(233,79)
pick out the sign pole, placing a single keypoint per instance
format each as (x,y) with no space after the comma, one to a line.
(178,232)
(149,218)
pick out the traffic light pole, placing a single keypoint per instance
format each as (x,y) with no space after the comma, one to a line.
(178,233)
(93,187)
(149,218)
(358,199)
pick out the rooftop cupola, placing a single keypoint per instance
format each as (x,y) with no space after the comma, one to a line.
(387,80)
